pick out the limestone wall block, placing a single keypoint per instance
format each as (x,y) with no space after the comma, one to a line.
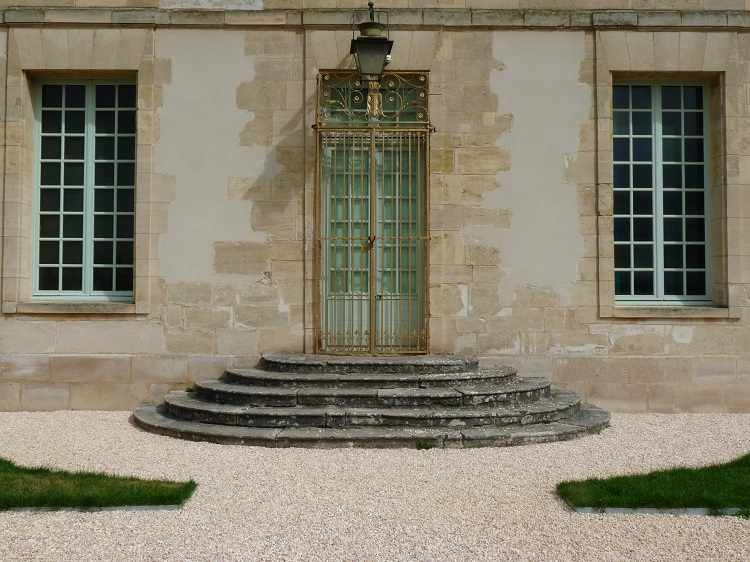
(44,397)
(661,398)
(189,293)
(108,396)
(699,398)
(206,318)
(615,50)
(481,216)
(447,274)
(124,336)
(482,160)
(89,368)
(473,188)
(24,368)
(254,188)
(55,48)
(629,398)
(261,95)
(482,255)
(261,292)
(484,299)
(179,340)
(237,342)
(714,370)
(275,339)
(172,316)
(640,50)
(29,47)
(441,161)
(737,398)
(448,300)
(207,366)
(447,248)
(10,396)
(242,258)
(287,250)
(130,48)
(446,217)
(258,316)
(500,343)
(718,47)
(692,50)
(471,324)
(81,48)
(28,337)
(106,43)
(442,335)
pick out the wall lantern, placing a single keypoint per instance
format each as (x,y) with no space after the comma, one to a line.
(371,49)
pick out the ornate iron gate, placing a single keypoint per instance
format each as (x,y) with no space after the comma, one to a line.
(372,152)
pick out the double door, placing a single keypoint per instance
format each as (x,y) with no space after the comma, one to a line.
(373,241)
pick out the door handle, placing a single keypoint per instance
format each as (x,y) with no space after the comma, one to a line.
(367,246)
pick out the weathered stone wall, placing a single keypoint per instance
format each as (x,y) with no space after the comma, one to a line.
(520,268)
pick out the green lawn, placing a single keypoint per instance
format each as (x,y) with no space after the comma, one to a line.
(43,488)
(716,487)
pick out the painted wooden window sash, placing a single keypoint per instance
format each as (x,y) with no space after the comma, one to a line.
(85,190)
(661,193)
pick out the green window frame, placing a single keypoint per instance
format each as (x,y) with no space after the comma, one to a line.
(84,190)
(661,188)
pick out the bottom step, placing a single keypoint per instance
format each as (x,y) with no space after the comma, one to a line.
(589,419)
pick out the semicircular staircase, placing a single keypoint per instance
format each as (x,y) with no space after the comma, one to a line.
(302,400)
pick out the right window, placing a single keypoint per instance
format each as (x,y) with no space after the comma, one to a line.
(661,193)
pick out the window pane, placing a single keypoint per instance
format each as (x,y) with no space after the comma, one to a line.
(104,200)
(49,252)
(622,176)
(126,122)
(643,230)
(49,200)
(126,176)
(673,230)
(642,203)
(673,255)
(72,226)
(74,148)
(51,147)
(696,283)
(693,150)
(104,174)
(124,279)
(673,284)
(127,95)
(641,122)
(693,97)
(75,96)
(671,123)
(124,226)
(621,123)
(641,97)
(622,150)
(73,200)
(694,203)
(694,176)
(670,97)
(643,255)
(50,173)
(124,253)
(105,122)
(693,123)
(103,226)
(73,173)
(49,226)
(126,148)
(622,283)
(642,150)
(105,148)
(72,279)
(72,253)
(642,176)
(622,230)
(695,230)
(75,122)
(51,121)
(49,279)
(672,177)
(643,283)
(672,150)
(672,202)
(622,203)
(103,253)
(105,96)
(621,97)
(102,279)
(695,256)
(622,255)
(52,95)
(125,200)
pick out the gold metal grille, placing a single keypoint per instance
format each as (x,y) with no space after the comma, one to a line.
(372,214)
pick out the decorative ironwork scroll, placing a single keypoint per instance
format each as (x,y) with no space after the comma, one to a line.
(398,99)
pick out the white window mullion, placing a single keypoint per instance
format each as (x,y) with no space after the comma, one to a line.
(89,190)
(658,195)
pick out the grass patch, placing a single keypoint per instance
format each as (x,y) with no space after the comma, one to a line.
(716,487)
(44,488)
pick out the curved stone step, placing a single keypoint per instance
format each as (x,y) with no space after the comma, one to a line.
(513,392)
(368,379)
(187,406)
(588,420)
(407,364)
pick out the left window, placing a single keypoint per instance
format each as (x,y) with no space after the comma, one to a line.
(85,190)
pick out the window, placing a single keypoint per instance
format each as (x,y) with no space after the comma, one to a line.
(84,185)
(661,188)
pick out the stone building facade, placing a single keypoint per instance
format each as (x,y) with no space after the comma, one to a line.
(526,264)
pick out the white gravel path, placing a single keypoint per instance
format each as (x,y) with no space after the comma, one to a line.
(296,504)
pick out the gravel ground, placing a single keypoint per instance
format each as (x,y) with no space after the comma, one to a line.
(296,504)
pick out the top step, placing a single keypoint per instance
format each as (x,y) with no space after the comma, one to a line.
(406,364)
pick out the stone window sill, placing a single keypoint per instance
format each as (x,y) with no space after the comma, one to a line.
(667,312)
(116,308)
